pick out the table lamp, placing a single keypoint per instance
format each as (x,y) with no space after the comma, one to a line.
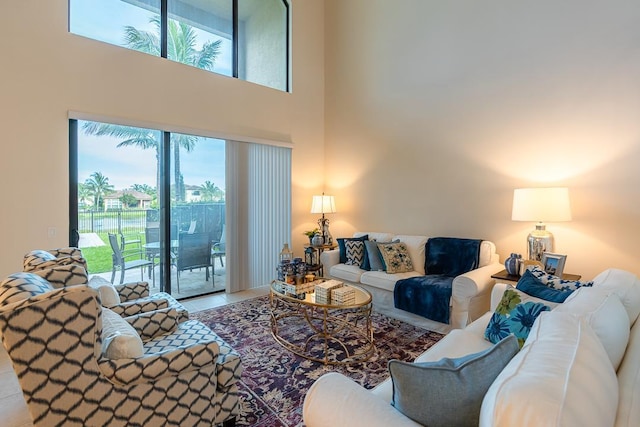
(322,205)
(540,204)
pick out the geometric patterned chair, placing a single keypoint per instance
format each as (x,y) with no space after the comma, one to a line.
(78,364)
(67,266)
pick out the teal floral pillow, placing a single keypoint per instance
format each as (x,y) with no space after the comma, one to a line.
(514,315)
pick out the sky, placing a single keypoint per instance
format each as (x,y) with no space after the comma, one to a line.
(126,166)
(105,20)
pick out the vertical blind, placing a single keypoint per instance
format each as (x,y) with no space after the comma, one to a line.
(258,212)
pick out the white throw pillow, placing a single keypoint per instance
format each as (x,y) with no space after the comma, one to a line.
(119,339)
(561,377)
(626,285)
(606,316)
(108,294)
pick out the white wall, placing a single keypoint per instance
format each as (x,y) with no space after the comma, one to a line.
(437,110)
(45,72)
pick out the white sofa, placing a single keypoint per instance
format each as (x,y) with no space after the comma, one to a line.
(470,291)
(565,374)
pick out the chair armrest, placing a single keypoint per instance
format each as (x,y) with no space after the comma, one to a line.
(132,308)
(154,323)
(151,368)
(468,286)
(328,259)
(335,400)
(133,290)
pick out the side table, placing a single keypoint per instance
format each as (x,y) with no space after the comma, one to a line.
(504,277)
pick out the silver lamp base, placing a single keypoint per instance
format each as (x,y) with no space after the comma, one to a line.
(538,242)
(324,227)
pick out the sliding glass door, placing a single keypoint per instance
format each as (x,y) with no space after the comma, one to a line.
(122,182)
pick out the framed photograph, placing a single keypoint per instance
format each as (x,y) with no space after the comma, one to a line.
(553,263)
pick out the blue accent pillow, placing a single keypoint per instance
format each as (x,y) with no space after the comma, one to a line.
(556,282)
(343,250)
(448,392)
(530,285)
(513,316)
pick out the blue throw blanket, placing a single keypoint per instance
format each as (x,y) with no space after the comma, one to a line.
(429,296)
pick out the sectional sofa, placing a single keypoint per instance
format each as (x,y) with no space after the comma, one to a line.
(579,366)
(470,291)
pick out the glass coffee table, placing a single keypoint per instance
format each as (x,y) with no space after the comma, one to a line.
(329,333)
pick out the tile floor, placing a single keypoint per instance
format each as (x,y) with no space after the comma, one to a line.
(13,409)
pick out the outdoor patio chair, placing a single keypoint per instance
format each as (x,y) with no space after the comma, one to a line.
(218,249)
(126,260)
(194,251)
(80,364)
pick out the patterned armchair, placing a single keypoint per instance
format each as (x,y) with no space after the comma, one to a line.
(67,267)
(79,364)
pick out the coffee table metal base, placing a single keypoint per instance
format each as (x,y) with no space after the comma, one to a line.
(325,334)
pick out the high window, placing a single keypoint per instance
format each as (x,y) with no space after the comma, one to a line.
(247,39)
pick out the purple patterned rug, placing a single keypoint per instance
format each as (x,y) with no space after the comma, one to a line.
(275,380)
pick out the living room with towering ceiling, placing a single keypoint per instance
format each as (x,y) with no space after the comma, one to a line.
(418,116)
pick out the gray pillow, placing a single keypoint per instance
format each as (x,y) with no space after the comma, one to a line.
(375,258)
(448,392)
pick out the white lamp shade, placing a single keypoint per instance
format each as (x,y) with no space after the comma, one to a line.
(541,204)
(323,204)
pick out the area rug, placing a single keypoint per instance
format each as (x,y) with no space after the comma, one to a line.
(275,381)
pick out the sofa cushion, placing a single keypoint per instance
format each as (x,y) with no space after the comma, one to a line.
(355,253)
(455,388)
(349,273)
(514,315)
(416,248)
(396,257)
(629,382)
(451,256)
(624,284)
(376,263)
(383,280)
(342,248)
(531,285)
(555,282)
(374,257)
(108,294)
(561,377)
(119,339)
(606,316)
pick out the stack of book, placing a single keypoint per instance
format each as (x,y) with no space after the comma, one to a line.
(323,290)
(343,295)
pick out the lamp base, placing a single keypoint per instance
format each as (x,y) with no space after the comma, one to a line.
(326,235)
(538,242)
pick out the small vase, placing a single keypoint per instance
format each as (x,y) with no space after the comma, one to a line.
(317,240)
(512,264)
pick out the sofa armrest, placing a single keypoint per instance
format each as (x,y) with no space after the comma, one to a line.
(335,400)
(465,288)
(328,259)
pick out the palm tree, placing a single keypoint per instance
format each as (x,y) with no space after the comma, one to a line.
(181,47)
(98,186)
(211,192)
